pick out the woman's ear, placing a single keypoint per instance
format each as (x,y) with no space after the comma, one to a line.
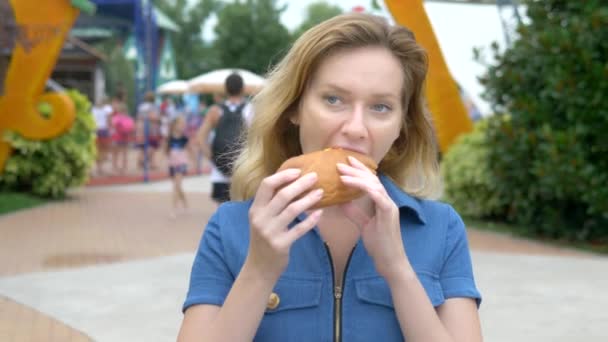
(293,113)
(294,116)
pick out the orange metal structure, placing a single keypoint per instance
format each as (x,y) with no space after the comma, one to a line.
(447,108)
(41,29)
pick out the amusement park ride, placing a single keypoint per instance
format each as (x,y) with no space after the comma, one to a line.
(35,31)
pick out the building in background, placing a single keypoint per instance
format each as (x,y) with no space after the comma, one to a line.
(137,25)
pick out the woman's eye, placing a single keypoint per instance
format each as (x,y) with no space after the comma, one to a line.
(380,107)
(332,100)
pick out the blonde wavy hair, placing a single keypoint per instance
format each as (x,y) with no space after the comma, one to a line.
(272,138)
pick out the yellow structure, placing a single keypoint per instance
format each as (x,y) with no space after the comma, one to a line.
(42,27)
(449,112)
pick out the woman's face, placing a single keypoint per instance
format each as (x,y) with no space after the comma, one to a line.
(353,101)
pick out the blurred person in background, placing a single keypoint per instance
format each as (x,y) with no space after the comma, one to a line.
(148,116)
(219,135)
(102,111)
(178,152)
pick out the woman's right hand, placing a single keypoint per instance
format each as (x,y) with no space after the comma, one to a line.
(271,212)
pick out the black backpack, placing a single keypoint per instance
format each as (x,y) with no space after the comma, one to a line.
(226,143)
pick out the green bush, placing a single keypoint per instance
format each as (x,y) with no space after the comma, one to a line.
(48,168)
(469,185)
(551,158)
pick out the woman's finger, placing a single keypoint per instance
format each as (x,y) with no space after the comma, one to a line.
(287,194)
(375,190)
(295,208)
(303,227)
(270,184)
(349,170)
(359,165)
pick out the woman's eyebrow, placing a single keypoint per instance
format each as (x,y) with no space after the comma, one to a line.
(334,86)
(376,95)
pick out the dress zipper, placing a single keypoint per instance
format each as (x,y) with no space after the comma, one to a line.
(338,290)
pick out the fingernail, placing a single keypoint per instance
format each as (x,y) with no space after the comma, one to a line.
(311,175)
(294,172)
(341,165)
(319,192)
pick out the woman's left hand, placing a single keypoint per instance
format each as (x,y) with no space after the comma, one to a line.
(381,232)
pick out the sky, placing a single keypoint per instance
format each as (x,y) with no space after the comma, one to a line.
(459,28)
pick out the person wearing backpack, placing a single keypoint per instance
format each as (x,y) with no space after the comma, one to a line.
(220,135)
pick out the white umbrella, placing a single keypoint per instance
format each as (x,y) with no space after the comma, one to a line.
(213,81)
(173,87)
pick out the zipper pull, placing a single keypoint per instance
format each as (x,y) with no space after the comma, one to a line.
(338,292)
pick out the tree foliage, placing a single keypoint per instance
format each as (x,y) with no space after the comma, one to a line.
(249,35)
(316,13)
(119,71)
(469,183)
(551,158)
(190,51)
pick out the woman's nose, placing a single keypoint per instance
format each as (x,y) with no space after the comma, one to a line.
(354,125)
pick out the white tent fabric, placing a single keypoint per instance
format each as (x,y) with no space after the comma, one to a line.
(173,87)
(213,81)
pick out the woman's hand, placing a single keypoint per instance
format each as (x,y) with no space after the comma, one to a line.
(279,200)
(381,232)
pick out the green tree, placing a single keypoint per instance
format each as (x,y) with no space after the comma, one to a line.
(469,184)
(551,156)
(119,71)
(316,13)
(191,54)
(250,35)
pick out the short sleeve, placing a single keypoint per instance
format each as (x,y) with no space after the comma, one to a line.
(210,278)
(456,276)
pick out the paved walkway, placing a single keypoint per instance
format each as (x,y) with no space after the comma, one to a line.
(109,265)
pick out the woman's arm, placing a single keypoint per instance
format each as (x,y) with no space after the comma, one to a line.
(237,320)
(274,207)
(456,320)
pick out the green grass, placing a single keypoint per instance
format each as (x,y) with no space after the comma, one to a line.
(13,201)
(514,230)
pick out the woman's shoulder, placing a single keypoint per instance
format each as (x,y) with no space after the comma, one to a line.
(229,226)
(441,218)
(429,211)
(232,216)
(435,205)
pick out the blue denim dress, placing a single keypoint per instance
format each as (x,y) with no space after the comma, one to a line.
(305,305)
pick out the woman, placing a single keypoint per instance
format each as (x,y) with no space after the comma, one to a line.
(389,266)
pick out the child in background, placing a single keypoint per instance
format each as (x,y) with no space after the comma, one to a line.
(177,149)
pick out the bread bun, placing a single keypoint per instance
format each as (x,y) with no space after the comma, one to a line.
(324,164)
